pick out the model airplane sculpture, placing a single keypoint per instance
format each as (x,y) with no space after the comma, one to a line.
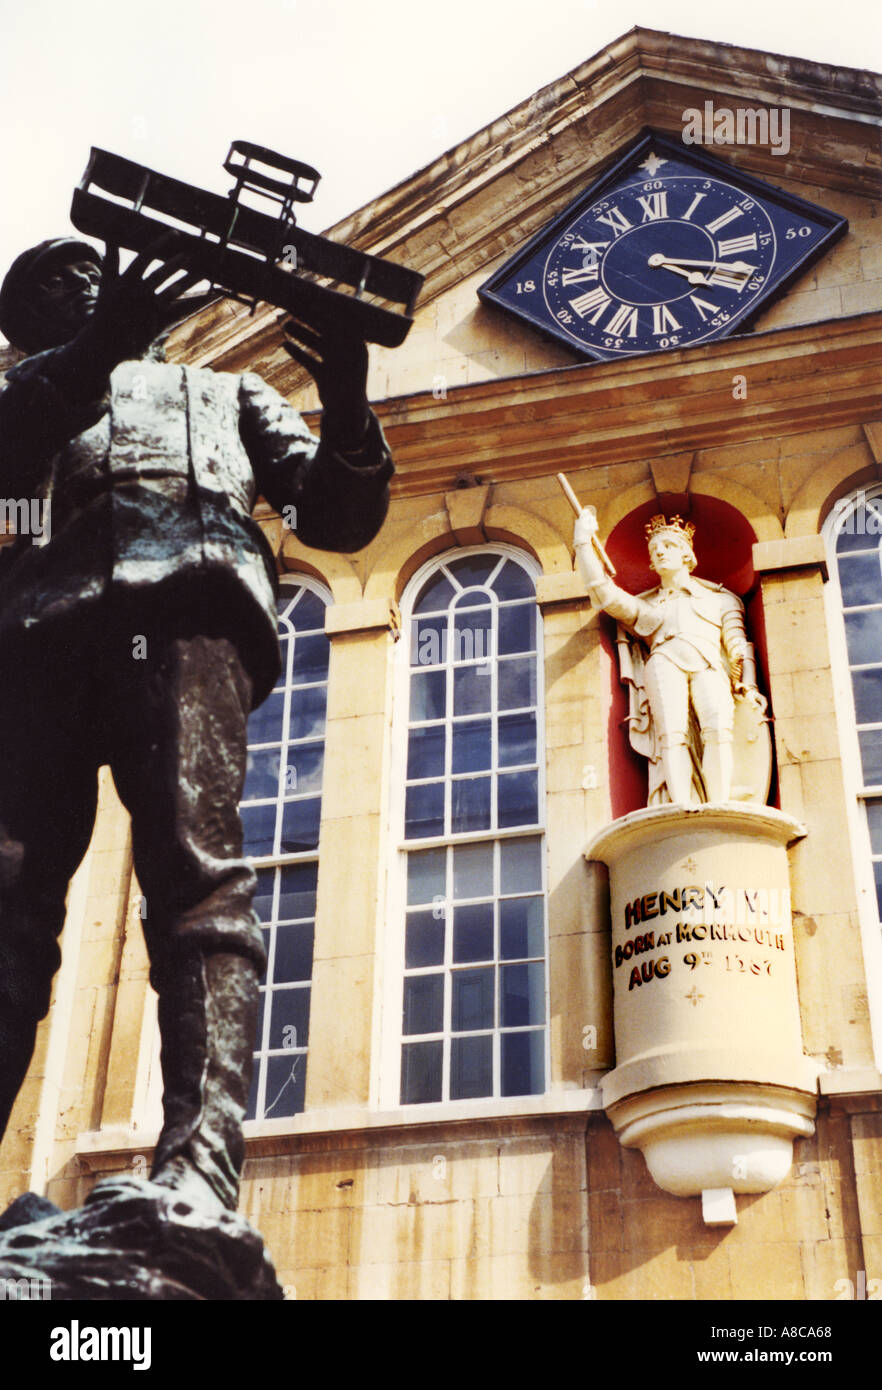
(246,253)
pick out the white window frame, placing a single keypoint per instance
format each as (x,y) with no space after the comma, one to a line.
(857,792)
(275,861)
(394,959)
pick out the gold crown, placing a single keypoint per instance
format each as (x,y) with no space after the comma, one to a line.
(676,524)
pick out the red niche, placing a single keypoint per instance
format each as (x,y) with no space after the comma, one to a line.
(722,543)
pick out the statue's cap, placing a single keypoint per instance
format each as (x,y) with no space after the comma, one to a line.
(19,321)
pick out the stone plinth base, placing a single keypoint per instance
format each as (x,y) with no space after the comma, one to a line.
(132,1240)
(711,1082)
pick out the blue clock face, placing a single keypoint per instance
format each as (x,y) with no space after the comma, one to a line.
(667,251)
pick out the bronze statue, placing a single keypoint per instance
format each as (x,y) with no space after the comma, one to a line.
(141,636)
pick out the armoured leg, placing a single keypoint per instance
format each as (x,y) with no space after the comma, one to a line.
(715,708)
(668,690)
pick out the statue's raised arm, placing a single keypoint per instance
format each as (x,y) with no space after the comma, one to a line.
(685,655)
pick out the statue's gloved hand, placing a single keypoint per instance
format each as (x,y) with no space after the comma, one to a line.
(338,363)
(135,305)
(586,526)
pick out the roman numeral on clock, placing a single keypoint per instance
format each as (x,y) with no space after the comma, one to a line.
(692,206)
(701,305)
(736,244)
(615,219)
(723,220)
(596,300)
(655,206)
(578,276)
(623,320)
(663,320)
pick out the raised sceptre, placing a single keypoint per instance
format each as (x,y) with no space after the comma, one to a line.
(578,509)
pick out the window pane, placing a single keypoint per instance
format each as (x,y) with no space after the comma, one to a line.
(471,746)
(863,632)
(871,756)
(517,628)
(293,956)
(262,776)
(473,871)
(426,876)
(473,569)
(471,1067)
(472,1000)
(517,682)
(300,825)
(265,724)
(285,1085)
(289,1018)
(435,594)
(297,896)
(263,898)
(428,641)
(311,657)
(521,928)
(470,637)
(428,699)
(470,804)
(473,932)
(523,1064)
(308,712)
(859,576)
(421,1065)
(513,582)
(307,613)
(861,527)
(518,798)
(425,752)
(303,769)
(517,739)
(521,864)
(867,686)
(874,820)
(877,872)
(423,1004)
(424,939)
(471,690)
(523,994)
(258,829)
(424,810)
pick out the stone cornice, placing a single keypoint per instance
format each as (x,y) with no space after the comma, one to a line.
(592,415)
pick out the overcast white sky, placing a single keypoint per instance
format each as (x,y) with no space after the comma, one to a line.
(366,90)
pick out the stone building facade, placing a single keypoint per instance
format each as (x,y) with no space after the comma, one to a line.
(478,1161)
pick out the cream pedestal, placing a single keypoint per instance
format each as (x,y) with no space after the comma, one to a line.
(711,1083)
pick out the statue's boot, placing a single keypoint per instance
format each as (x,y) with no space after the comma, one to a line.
(207,1019)
(716,766)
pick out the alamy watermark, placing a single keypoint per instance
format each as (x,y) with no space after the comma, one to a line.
(33,1290)
(27,516)
(863,515)
(719,125)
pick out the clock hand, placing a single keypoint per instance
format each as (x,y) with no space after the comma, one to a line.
(694,277)
(669,262)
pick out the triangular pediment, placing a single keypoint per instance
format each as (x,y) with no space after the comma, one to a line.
(463,214)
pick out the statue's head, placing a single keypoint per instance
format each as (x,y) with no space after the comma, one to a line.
(670,544)
(49,293)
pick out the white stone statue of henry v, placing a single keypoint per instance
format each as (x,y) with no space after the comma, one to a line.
(695,710)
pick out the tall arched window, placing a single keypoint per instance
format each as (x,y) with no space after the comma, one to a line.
(854,538)
(281,811)
(473,986)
